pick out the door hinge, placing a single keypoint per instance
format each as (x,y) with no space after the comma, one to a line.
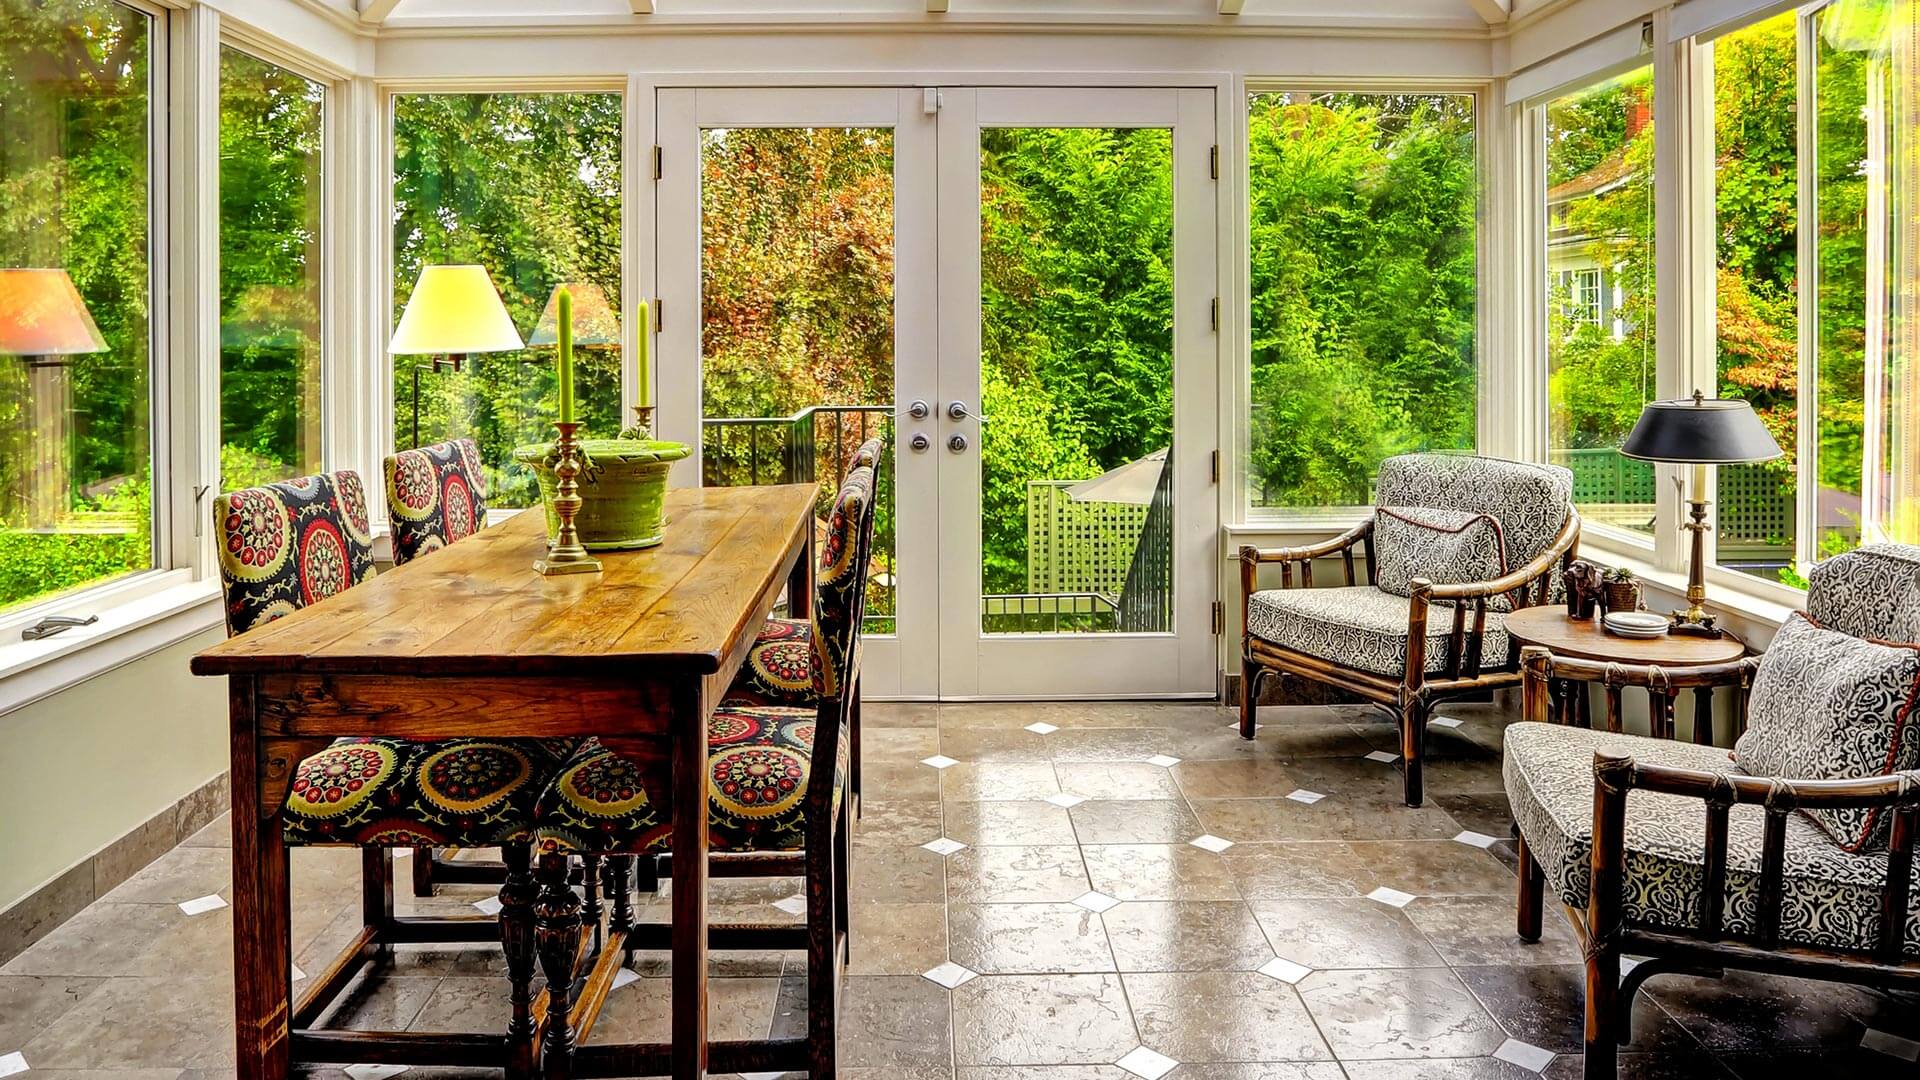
(1213,315)
(1213,162)
(1216,466)
(659,315)
(659,163)
(1219,617)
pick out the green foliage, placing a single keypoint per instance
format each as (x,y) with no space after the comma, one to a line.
(1024,442)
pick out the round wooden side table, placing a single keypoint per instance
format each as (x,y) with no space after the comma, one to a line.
(1549,626)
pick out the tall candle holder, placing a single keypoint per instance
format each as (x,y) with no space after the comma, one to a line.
(642,427)
(565,555)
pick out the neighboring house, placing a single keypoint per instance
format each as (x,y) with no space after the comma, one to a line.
(1588,291)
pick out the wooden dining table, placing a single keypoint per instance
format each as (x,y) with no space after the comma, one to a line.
(471,642)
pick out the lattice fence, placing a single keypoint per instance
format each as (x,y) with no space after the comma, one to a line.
(1078,547)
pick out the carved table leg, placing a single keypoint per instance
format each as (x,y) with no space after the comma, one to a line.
(619,880)
(517,898)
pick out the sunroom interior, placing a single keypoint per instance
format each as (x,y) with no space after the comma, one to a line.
(1248,487)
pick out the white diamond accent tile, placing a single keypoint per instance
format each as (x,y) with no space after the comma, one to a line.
(1476,839)
(1445,721)
(1302,795)
(1879,1042)
(374,1072)
(762,1076)
(944,846)
(624,976)
(1065,801)
(1383,757)
(297,974)
(1212,843)
(939,761)
(792,905)
(1285,970)
(1141,1061)
(1041,727)
(1163,761)
(1526,1055)
(1095,902)
(15,1062)
(402,852)
(489,906)
(1235,725)
(1391,897)
(202,905)
(949,975)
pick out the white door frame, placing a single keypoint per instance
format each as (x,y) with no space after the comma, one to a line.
(1182,661)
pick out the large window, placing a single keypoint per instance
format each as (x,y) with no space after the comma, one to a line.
(75,297)
(1600,275)
(527,185)
(270,196)
(1361,220)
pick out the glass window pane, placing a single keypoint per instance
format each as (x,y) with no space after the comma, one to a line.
(796,292)
(528,186)
(1362,211)
(1600,275)
(75,297)
(270,197)
(1756,196)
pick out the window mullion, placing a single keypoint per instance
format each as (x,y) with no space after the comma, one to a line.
(192,263)
(1807,214)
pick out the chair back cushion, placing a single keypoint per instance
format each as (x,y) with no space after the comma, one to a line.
(1531,502)
(1831,706)
(1872,592)
(286,545)
(841,580)
(435,495)
(1447,547)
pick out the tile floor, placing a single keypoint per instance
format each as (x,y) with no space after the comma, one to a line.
(1043,902)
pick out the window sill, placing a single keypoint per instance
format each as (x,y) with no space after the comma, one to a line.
(32,670)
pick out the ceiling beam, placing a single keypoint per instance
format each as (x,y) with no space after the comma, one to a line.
(376,11)
(1231,7)
(1495,12)
(642,7)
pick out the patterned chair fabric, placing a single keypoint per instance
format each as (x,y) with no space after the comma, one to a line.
(1361,627)
(760,761)
(436,495)
(1447,547)
(289,544)
(286,545)
(1872,592)
(1830,897)
(1529,501)
(781,668)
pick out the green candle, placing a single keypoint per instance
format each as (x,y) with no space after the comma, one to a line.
(564,301)
(646,348)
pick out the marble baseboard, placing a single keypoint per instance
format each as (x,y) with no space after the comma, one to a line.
(34,915)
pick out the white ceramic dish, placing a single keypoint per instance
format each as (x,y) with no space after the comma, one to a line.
(1635,624)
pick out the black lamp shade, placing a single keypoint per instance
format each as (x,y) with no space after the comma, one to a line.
(1703,431)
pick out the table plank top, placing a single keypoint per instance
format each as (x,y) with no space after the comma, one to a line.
(1586,639)
(478,608)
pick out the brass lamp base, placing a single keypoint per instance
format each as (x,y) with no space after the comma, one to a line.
(565,555)
(1695,620)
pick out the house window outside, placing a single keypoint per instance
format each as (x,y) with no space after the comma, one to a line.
(1362,210)
(528,186)
(76,455)
(1600,277)
(270,201)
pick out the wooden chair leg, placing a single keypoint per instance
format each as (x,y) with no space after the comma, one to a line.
(592,911)
(842,892)
(423,871)
(1249,696)
(517,898)
(1532,893)
(1603,1010)
(620,890)
(1413,743)
(556,932)
(823,966)
(853,739)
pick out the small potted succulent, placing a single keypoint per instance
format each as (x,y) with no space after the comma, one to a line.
(1622,590)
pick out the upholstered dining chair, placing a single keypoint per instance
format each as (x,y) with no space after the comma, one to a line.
(778,804)
(287,545)
(1454,543)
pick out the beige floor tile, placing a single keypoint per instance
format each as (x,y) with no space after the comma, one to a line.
(1337,817)
(1473,930)
(1027,939)
(1117,780)
(895,1023)
(1332,933)
(1402,1013)
(1010,823)
(1249,778)
(1186,936)
(1159,872)
(1223,1016)
(29,1003)
(973,780)
(167,1022)
(898,939)
(1042,1020)
(1016,875)
(1134,821)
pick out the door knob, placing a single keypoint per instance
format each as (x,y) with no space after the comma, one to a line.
(919,410)
(958,411)
(919,442)
(957,444)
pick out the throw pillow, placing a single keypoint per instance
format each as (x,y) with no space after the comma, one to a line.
(1447,547)
(1829,706)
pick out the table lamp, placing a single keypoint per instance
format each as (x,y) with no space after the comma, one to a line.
(1699,431)
(454,310)
(595,323)
(42,317)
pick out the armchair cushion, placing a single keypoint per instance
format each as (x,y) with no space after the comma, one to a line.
(1872,592)
(1447,547)
(1829,896)
(395,793)
(1829,706)
(1360,627)
(1531,502)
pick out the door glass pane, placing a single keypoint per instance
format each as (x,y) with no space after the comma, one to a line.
(797,336)
(1600,347)
(1076,377)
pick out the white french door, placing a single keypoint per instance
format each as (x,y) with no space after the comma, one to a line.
(901,261)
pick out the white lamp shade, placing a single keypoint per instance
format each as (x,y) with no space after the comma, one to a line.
(454,309)
(41,314)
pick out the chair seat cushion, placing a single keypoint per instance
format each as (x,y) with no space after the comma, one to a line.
(779,667)
(1830,897)
(759,763)
(1359,626)
(395,793)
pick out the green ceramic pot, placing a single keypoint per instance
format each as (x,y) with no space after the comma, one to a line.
(624,487)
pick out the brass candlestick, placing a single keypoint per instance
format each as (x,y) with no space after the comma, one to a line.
(642,427)
(565,555)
